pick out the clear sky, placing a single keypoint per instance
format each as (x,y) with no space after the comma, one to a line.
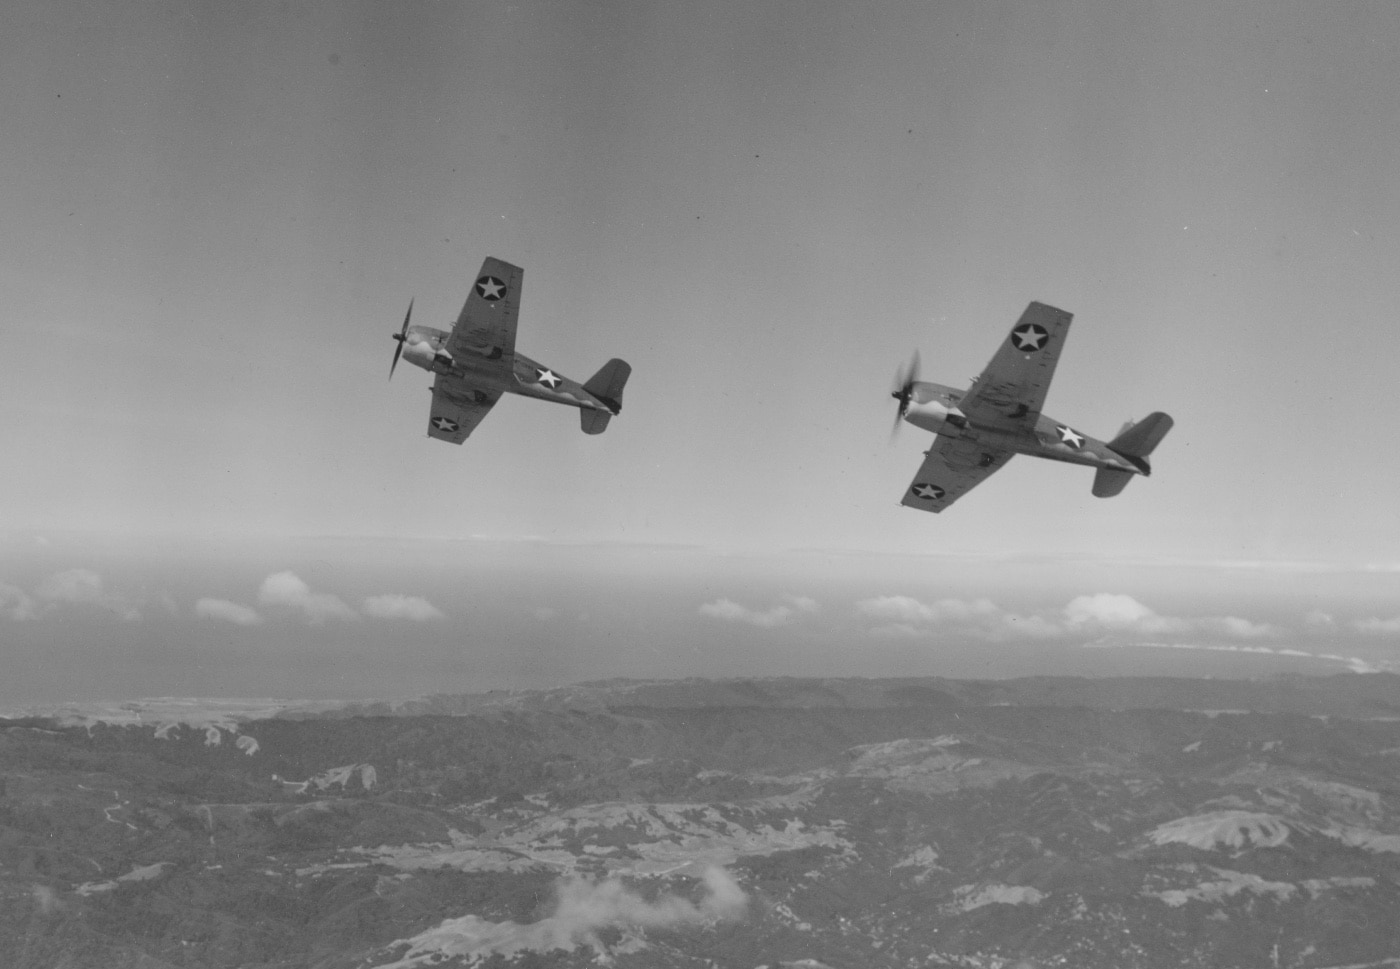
(217,213)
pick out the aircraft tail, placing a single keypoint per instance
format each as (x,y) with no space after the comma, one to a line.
(607,385)
(1134,442)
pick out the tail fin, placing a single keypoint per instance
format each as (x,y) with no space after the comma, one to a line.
(607,384)
(1134,442)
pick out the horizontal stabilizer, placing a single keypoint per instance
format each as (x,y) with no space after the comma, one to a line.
(607,384)
(1109,481)
(594,421)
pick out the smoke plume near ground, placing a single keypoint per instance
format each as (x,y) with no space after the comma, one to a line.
(583,907)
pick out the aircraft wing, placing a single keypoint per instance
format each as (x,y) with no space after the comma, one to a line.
(952,468)
(457,408)
(1011,391)
(486,326)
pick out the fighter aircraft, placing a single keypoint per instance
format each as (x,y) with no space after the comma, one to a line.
(979,429)
(477,362)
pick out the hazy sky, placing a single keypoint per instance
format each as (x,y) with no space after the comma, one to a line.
(216,214)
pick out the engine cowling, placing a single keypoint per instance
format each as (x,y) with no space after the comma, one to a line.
(935,415)
(420,353)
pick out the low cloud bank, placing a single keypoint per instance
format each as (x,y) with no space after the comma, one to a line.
(778,615)
(1100,614)
(395,606)
(287,589)
(72,587)
(227,611)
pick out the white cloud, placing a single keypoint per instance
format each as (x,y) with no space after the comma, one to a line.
(16,604)
(239,615)
(287,589)
(1377,627)
(84,587)
(1240,628)
(1317,619)
(1112,611)
(907,617)
(778,615)
(395,606)
(1100,614)
(1354,663)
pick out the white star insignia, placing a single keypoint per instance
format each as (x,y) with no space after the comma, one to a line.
(928,491)
(490,287)
(1029,337)
(1068,436)
(443,424)
(550,378)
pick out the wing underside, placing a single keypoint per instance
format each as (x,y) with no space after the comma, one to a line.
(1010,393)
(458,408)
(952,468)
(486,325)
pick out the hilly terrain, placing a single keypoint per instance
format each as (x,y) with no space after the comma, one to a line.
(744,823)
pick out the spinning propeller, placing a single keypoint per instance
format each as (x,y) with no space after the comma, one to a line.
(401,336)
(904,380)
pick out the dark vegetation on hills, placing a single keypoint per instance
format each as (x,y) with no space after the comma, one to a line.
(867,822)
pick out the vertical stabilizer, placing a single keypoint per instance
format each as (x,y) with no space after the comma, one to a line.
(1134,442)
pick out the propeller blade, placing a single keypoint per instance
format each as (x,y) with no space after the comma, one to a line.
(904,380)
(400,336)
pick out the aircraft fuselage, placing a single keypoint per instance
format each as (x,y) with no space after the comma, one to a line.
(934,407)
(514,373)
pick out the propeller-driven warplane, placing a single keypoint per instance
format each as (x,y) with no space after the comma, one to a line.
(979,429)
(477,362)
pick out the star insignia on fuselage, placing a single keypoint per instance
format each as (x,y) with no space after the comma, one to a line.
(928,491)
(547,377)
(1069,436)
(1031,336)
(445,424)
(490,288)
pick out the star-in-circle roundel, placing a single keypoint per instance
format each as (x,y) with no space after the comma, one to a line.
(490,288)
(1070,436)
(928,491)
(547,377)
(445,424)
(1029,337)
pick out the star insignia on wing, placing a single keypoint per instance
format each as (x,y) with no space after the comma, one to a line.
(928,491)
(445,424)
(490,288)
(548,377)
(1031,336)
(1069,436)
